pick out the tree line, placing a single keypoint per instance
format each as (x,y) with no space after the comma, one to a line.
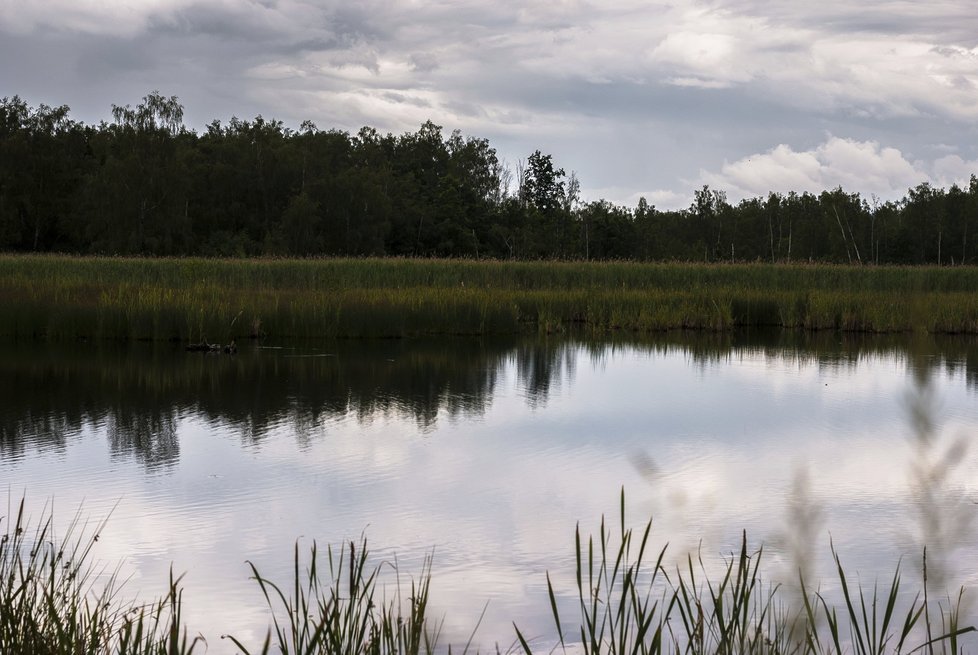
(144,184)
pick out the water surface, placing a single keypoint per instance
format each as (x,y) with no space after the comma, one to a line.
(487,453)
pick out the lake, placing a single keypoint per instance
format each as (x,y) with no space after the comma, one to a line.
(486,453)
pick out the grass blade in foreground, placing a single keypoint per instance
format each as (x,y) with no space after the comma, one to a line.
(53,600)
(615,588)
(735,615)
(347,616)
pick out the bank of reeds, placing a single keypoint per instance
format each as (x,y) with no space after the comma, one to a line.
(345,615)
(204,299)
(55,601)
(628,602)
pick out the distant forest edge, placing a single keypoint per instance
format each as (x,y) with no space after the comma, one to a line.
(146,185)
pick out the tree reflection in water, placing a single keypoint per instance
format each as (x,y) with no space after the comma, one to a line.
(139,392)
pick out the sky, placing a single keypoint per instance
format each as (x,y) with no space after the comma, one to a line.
(650,99)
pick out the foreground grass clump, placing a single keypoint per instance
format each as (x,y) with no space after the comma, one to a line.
(626,602)
(216,300)
(52,599)
(346,616)
(630,604)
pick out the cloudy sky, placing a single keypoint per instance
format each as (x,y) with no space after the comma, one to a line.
(638,98)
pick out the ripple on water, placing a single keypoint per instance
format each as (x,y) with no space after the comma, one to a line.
(493,475)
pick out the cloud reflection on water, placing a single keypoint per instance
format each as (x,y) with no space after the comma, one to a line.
(486,452)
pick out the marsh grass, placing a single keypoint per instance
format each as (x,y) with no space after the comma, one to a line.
(347,614)
(629,603)
(215,300)
(55,601)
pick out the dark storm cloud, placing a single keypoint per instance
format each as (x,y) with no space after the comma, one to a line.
(204,19)
(950,19)
(637,97)
(271,28)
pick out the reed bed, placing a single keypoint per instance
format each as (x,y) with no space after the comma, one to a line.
(208,299)
(54,600)
(629,602)
(344,615)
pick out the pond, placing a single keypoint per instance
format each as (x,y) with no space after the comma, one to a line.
(487,453)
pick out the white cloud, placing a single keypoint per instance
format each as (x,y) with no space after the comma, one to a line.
(704,55)
(665,199)
(952,169)
(861,166)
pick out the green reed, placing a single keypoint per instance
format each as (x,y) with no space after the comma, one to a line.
(628,602)
(216,300)
(53,600)
(346,616)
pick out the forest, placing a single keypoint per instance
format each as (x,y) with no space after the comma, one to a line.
(144,184)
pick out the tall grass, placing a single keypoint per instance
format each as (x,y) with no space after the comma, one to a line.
(215,300)
(346,616)
(53,600)
(628,602)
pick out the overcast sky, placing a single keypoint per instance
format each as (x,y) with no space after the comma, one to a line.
(638,98)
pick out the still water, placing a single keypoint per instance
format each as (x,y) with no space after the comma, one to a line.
(487,453)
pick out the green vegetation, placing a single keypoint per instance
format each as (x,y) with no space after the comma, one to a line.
(346,617)
(629,605)
(196,300)
(53,601)
(143,184)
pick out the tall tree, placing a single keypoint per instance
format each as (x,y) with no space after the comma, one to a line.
(140,190)
(43,160)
